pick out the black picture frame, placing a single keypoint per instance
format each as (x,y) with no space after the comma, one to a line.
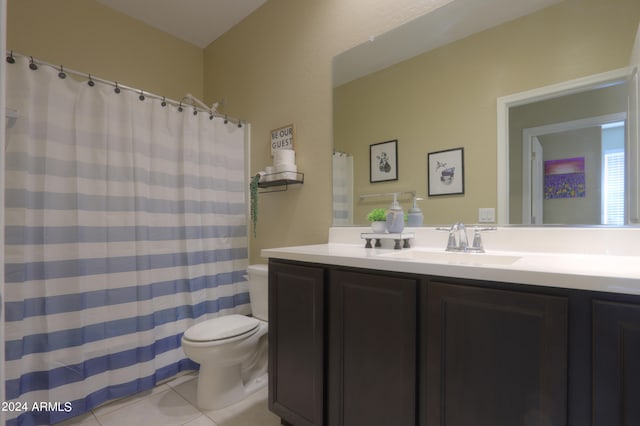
(383,161)
(445,172)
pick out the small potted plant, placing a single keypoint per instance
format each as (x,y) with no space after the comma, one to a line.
(378,219)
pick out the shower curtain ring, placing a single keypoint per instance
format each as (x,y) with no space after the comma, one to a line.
(164,102)
(32,64)
(61,74)
(117,89)
(141,97)
(210,115)
(195,111)
(239,124)
(180,107)
(91,82)
(226,120)
(10,58)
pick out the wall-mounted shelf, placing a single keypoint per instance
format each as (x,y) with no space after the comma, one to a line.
(388,194)
(278,182)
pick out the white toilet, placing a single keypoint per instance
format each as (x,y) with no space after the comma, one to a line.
(232,349)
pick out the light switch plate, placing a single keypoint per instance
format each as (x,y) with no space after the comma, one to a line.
(486,215)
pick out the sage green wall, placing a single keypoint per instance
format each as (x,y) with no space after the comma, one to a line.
(273,69)
(86,36)
(447,98)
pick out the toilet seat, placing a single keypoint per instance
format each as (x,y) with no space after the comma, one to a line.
(221,328)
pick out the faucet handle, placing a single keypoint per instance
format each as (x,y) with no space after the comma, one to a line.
(452,244)
(477,246)
(477,242)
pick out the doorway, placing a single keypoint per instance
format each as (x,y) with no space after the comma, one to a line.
(589,192)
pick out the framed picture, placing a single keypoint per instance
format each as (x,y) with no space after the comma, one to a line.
(565,178)
(383,161)
(445,172)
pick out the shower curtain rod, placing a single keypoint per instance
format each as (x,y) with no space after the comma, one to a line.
(187,100)
(192,99)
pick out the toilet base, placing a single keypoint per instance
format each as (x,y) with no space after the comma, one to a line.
(220,387)
(255,385)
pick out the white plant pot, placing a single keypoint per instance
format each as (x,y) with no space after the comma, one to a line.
(379,227)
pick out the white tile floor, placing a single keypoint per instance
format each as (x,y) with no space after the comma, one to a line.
(173,404)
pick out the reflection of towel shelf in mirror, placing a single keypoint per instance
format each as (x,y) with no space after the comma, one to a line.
(388,194)
(278,182)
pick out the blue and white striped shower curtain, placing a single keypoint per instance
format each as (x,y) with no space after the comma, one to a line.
(125,224)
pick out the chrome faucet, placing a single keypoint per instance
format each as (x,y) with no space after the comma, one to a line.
(458,239)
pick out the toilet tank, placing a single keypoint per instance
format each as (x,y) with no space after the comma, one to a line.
(258,276)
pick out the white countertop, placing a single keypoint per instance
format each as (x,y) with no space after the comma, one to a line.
(593,270)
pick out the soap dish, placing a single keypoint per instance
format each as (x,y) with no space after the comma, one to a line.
(397,237)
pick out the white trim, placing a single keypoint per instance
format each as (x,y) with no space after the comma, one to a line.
(529,133)
(542,93)
(582,123)
(531,212)
(632,213)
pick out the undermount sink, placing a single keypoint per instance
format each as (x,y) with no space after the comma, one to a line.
(453,257)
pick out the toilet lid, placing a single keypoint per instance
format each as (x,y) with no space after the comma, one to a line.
(221,328)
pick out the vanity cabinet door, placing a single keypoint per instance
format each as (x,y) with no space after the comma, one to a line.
(616,363)
(296,343)
(492,357)
(372,349)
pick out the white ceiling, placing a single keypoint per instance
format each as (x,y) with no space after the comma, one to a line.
(199,22)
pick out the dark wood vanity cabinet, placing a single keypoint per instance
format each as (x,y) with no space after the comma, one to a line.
(492,357)
(352,347)
(296,343)
(372,349)
(616,363)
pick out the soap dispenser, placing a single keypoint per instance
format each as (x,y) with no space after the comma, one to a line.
(415,216)
(395,216)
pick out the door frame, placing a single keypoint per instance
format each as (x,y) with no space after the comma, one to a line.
(582,84)
(532,207)
(529,206)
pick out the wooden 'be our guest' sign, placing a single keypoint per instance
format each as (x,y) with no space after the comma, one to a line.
(282,138)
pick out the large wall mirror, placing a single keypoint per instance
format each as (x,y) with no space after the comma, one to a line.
(554,77)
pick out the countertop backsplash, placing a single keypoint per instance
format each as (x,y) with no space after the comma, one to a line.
(583,240)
